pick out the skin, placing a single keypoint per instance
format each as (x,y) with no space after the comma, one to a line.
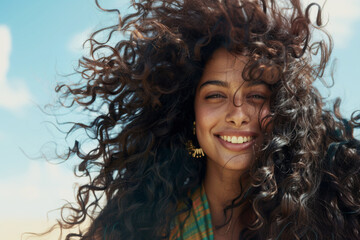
(226,105)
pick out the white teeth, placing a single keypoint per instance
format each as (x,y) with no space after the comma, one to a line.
(234,139)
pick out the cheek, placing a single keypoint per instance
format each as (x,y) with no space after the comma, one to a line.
(200,114)
(265,119)
(202,119)
(206,118)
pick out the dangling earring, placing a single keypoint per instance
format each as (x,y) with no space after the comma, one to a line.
(194,151)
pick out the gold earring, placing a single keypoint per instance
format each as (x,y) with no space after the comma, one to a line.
(194,151)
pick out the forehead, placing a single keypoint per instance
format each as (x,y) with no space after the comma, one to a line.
(224,66)
(224,61)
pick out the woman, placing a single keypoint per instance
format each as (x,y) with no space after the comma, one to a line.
(212,128)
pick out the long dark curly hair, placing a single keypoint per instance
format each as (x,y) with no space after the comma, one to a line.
(305,182)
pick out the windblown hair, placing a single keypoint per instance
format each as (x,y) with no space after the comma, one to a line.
(305,181)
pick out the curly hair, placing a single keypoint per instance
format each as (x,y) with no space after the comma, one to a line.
(305,182)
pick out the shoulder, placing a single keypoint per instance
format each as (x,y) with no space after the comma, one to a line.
(194,220)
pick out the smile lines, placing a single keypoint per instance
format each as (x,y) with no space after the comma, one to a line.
(234,139)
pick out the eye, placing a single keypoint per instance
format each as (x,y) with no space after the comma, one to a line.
(257,96)
(215,95)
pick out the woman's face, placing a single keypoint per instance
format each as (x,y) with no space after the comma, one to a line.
(228,112)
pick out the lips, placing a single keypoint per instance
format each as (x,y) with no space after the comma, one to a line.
(236,141)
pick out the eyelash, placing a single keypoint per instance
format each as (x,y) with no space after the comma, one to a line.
(257,96)
(252,96)
(217,95)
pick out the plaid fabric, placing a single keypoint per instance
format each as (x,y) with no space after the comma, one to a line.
(195,225)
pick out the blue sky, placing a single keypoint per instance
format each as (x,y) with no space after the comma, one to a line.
(39,42)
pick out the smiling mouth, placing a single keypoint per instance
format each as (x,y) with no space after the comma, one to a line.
(237,140)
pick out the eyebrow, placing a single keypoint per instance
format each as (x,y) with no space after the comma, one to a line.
(214,82)
(257,82)
(225,84)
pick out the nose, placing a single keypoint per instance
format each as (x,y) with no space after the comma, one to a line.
(237,115)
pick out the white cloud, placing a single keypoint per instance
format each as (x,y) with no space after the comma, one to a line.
(76,42)
(14,229)
(30,202)
(42,188)
(341,17)
(12,97)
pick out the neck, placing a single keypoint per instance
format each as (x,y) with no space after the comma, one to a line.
(222,186)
